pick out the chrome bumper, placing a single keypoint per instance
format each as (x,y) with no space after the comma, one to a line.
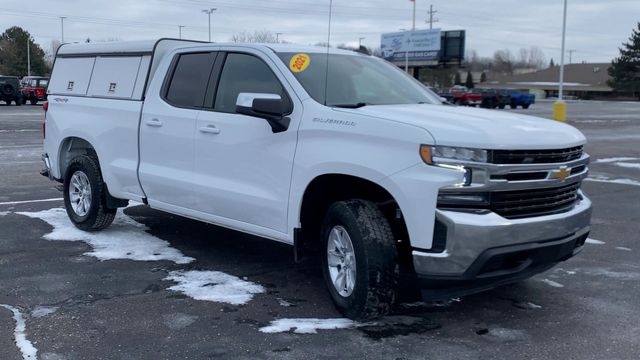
(469,235)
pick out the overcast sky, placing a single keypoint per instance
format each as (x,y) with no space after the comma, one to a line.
(595,28)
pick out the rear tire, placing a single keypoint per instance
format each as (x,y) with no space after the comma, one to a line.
(8,102)
(501,106)
(526,106)
(369,286)
(85,195)
(33,101)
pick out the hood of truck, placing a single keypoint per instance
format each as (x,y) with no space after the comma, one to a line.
(479,128)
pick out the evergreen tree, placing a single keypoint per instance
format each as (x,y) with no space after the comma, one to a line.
(458,80)
(469,83)
(483,77)
(13,53)
(551,63)
(625,70)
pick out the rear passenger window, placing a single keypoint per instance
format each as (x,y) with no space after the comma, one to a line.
(189,81)
(244,73)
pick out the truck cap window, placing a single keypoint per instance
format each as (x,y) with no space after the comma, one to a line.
(189,81)
(243,73)
(357,80)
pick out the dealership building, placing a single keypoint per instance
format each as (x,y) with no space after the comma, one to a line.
(582,81)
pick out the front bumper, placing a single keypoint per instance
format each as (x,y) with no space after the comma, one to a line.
(488,249)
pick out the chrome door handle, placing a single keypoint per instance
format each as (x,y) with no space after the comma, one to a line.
(209,129)
(154,122)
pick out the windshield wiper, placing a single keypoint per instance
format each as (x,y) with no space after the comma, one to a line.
(351,106)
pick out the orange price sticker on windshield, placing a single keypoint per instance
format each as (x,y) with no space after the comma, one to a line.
(299,63)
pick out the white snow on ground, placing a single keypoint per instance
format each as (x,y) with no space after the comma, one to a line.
(26,347)
(214,286)
(623,248)
(615,159)
(552,283)
(307,326)
(628,165)
(42,311)
(124,239)
(3,213)
(595,242)
(606,179)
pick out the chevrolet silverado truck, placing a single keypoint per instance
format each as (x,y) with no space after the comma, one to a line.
(339,154)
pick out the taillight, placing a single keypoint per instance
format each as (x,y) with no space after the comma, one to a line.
(45,107)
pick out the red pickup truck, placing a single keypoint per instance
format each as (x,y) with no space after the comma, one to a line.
(463,96)
(34,89)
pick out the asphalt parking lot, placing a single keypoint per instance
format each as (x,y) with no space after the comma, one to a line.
(157,286)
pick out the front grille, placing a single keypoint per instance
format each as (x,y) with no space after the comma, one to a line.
(535,202)
(535,156)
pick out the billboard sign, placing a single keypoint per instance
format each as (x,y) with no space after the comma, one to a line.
(421,45)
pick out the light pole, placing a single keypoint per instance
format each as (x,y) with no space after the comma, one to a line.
(278,37)
(62,27)
(209,12)
(360,42)
(28,56)
(560,107)
(180,31)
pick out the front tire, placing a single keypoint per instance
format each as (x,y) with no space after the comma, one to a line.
(85,195)
(360,260)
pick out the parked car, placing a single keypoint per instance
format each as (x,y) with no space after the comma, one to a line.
(368,171)
(34,89)
(10,90)
(471,97)
(495,98)
(520,98)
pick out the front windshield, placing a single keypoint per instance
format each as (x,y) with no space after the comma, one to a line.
(357,80)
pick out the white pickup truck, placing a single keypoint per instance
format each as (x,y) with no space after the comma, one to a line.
(339,154)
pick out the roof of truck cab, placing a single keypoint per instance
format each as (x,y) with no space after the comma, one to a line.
(148,46)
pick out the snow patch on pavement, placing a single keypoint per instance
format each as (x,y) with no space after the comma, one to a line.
(623,248)
(595,242)
(124,239)
(42,311)
(307,326)
(214,286)
(26,347)
(552,283)
(3,213)
(628,165)
(606,179)
(615,159)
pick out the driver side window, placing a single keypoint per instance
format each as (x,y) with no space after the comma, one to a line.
(243,73)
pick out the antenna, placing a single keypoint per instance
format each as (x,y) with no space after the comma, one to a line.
(326,75)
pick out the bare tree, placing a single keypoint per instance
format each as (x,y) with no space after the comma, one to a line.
(536,57)
(258,36)
(503,61)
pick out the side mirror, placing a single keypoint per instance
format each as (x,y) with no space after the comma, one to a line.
(270,107)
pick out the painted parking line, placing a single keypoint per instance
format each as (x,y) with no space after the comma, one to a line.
(30,201)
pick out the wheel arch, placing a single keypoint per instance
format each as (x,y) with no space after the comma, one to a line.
(71,147)
(328,188)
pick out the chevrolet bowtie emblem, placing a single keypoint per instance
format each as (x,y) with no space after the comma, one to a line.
(561,174)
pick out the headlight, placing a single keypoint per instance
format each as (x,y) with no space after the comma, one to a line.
(459,153)
(444,153)
(441,156)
